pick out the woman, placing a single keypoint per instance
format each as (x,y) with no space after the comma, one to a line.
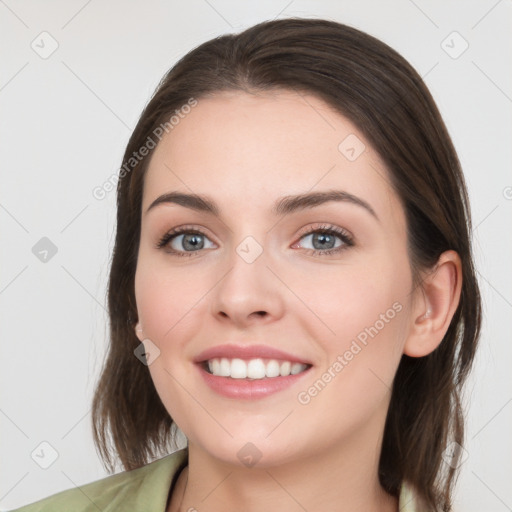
(292,285)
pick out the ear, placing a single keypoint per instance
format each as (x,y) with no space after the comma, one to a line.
(434,306)
(139,332)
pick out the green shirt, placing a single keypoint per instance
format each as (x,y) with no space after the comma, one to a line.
(143,489)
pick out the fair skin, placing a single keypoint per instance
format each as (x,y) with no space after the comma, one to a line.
(245,151)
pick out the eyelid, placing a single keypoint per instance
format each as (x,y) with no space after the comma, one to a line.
(348,240)
(325,226)
(173,233)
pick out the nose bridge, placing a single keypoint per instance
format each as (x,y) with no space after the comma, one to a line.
(248,286)
(247,262)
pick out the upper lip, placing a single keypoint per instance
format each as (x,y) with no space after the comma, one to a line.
(231,351)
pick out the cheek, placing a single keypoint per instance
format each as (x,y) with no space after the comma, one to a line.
(346,302)
(359,322)
(165,300)
(168,306)
(362,353)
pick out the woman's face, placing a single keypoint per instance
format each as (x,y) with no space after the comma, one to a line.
(251,282)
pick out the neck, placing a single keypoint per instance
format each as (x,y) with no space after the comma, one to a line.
(344,479)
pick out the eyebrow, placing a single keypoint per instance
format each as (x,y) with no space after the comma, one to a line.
(283,206)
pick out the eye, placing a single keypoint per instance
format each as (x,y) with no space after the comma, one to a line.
(323,238)
(183,241)
(186,241)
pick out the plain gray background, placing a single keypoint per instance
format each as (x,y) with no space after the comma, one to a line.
(66,117)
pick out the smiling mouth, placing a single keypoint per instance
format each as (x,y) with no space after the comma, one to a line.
(252,369)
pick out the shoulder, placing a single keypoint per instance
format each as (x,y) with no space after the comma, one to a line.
(145,488)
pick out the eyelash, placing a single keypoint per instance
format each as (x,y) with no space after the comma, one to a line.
(323,229)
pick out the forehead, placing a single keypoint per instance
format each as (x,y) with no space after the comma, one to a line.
(253,148)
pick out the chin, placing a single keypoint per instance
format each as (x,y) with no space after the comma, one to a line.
(253,450)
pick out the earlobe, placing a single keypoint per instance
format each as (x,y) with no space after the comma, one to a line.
(433,312)
(138,331)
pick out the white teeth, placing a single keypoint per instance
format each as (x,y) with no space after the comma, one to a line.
(285,368)
(297,368)
(225,368)
(238,369)
(272,369)
(214,366)
(254,368)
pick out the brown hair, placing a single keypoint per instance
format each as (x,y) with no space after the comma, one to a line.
(375,88)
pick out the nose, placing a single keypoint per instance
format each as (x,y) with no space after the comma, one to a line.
(249,293)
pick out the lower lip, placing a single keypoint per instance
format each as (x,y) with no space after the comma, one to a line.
(249,389)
